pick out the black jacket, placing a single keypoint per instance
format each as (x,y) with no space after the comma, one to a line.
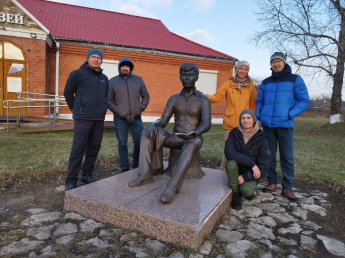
(86,93)
(255,152)
(127,97)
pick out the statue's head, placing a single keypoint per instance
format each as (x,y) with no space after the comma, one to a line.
(188,67)
(189,74)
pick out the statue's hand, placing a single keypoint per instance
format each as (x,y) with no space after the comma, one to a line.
(151,131)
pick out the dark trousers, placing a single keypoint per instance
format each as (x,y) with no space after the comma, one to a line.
(284,138)
(87,138)
(122,128)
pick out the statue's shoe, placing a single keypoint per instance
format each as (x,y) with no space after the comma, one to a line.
(140,181)
(169,194)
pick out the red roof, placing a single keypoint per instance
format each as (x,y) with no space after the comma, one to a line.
(70,22)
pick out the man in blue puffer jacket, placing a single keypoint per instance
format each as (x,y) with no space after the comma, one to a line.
(281,98)
(86,93)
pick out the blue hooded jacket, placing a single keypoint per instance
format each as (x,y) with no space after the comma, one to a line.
(127,97)
(86,93)
(281,97)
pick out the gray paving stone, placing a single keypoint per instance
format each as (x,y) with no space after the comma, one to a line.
(45,252)
(89,226)
(308,242)
(226,236)
(74,216)
(247,212)
(315,208)
(258,231)
(99,243)
(205,248)
(265,220)
(36,210)
(64,240)
(24,245)
(154,246)
(66,229)
(240,248)
(332,245)
(40,233)
(41,218)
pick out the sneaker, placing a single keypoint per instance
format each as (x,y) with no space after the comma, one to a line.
(70,187)
(290,195)
(270,188)
(87,180)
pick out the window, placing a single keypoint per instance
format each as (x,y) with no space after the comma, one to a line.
(207,82)
(110,68)
(12,52)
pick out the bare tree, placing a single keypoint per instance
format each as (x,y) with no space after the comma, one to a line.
(312,33)
(257,82)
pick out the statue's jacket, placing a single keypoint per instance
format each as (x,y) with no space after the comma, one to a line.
(191,114)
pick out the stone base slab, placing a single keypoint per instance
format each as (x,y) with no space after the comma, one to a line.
(185,221)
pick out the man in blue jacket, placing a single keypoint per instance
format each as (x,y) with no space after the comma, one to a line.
(281,98)
(127,99)
(86,95)
(248,156)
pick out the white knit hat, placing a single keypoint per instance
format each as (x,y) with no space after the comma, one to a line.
(241,63)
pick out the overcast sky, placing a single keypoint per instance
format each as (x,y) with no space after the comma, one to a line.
(224,25)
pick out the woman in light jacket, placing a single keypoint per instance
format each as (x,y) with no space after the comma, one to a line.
(240,94)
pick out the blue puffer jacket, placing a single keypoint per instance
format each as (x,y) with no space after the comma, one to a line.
(86,93)
(281,98)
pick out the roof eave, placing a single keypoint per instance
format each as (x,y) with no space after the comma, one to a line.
(153,50)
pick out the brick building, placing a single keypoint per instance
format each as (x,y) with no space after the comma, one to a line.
(41,42)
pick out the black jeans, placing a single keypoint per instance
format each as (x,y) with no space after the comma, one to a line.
(87,139)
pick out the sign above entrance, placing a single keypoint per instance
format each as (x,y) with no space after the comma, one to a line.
(15,18)
(11,18)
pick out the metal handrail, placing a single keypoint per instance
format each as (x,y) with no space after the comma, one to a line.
(16,104)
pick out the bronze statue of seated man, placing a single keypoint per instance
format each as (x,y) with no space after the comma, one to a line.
(192,112)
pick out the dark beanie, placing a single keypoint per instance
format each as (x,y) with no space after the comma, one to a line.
(250,112)
(94,51)
(278,55)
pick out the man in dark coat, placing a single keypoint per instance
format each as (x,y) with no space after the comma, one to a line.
(86,93)
(248,156)
(127,99)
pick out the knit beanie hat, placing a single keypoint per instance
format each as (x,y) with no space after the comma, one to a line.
(250,112)
(240,63)
(94,51)
(279,55)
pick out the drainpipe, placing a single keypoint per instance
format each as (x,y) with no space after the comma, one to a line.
(57,68)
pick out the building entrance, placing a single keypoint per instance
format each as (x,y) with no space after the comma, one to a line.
(13,75)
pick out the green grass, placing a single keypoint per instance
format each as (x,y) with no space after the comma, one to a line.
(319,150)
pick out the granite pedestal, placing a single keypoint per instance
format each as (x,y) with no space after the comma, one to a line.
(192,214)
